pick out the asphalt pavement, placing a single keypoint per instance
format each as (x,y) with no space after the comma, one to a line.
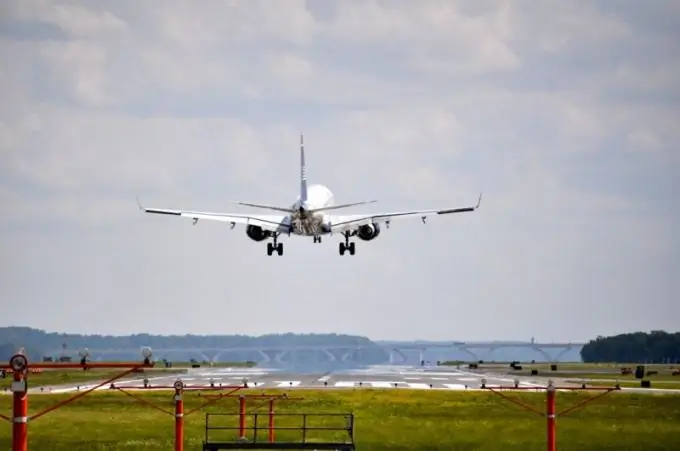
(383,376)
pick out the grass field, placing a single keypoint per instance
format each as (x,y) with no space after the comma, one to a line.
(657,384)
(566,366)
(385,420)
(75,376)
(593,374)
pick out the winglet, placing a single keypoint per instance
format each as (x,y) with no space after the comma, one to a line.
(479,201)
(139,204)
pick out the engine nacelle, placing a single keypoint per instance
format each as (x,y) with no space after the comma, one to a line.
(368,232)
(256,233)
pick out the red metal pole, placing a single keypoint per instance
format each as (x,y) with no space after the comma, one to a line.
(242,417)
(20,416)
(550,416)
(179,421)
(271,421)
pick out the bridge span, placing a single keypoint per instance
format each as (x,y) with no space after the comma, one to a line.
(394,353)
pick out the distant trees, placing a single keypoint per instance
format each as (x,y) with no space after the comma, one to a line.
(38,341)
(639,347)
(7,350)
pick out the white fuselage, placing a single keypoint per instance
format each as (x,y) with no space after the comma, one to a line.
(312,224)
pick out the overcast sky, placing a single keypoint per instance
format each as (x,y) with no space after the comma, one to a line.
(563,113)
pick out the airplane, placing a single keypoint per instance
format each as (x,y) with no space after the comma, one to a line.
(310,215)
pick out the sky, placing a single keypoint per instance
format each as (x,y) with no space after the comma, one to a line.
(563,114)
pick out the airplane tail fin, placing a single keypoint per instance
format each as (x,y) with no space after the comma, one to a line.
(303,171)
(303,185)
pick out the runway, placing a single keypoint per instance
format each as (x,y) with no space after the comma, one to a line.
(387,377)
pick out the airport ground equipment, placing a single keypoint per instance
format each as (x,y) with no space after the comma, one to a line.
(20,367)
(282,431)
(550,413)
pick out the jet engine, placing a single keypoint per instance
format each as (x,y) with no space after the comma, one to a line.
(256,233)
(368,232)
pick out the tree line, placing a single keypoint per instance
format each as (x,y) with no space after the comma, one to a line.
(638,347)
(37,341)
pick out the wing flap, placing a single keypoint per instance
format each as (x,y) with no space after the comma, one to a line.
(345,222)
(274,223)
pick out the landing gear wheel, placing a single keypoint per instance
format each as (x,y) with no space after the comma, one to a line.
(275,246)
(347,246)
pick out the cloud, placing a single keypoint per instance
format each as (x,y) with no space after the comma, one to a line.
(565,116)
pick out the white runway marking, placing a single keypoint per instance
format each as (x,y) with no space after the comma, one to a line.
(412,378)
(434,373)
(225,374)
(439,378)
(288,383)
(454,386)
(380,384)
(344,384)
(469,379)
(418,385)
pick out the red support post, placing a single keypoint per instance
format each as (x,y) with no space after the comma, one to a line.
(242,417)
(550,408)
(550,417)
(271,421)
(20,412)
(20,369)
(179,417)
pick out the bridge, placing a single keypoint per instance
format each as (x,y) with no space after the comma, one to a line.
(396,352)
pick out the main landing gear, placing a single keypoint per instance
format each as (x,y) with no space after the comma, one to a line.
(347,246)
(275,246)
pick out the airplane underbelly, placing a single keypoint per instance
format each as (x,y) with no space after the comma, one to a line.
(310,226)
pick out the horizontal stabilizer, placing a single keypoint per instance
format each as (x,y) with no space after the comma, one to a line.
(337,207)
(264,207)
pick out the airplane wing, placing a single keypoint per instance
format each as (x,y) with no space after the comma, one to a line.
(273,223)
(342,223)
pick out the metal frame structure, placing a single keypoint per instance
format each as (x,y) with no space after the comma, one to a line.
(21,368)
(243,442)
(550,413)
(178,398)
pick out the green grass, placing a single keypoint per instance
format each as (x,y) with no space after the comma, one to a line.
(74,376)
(385,420)
(655,384)
(568,366)
(668,377)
